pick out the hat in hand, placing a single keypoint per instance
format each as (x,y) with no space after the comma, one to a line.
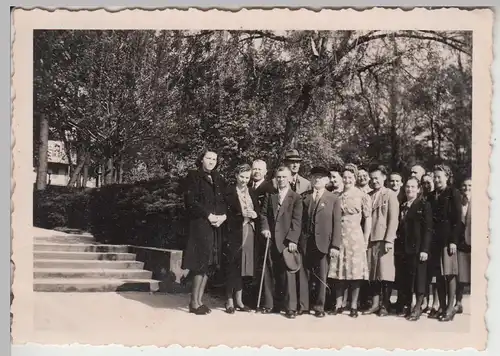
(293,260)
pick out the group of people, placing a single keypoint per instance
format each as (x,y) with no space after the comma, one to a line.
(339,242)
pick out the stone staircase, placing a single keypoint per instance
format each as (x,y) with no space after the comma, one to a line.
(76,263)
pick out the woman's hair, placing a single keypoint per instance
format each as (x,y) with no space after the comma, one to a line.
(447,171)
(244,167)
(466,179)
(351,167)
(415,179)
(199,160)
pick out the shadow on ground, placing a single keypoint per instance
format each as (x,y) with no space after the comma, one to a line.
(162,300)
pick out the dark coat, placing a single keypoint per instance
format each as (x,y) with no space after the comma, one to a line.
(285,223)
(446,215)
(266,187)
(320,231)
(414,233)
(401,196)
(234,227)
(201,198)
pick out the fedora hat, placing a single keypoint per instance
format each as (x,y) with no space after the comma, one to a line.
(293,260)
(292,155)
(318,170)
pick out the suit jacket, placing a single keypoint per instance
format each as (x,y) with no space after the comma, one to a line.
(446,213)
(318,221)
(415,228)
(266,187)
(465,235)
(284,222)
(234,227)
(385,215)
(303,185)
(401,196)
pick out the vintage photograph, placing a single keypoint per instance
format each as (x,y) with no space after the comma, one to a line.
(265,180)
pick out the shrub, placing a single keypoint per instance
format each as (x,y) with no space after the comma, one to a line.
(148,213)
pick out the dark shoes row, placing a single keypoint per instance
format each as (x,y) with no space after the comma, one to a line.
(406,312)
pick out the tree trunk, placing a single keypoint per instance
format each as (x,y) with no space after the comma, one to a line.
(76,172)
(43,148)
(393,114)
(85,176)
(109,171)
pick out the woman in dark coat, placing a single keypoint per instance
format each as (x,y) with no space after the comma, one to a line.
(206,212)
(446,212)
(413,243)
(243,210)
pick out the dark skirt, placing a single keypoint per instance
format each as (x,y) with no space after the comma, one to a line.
(415,273)
(204,256)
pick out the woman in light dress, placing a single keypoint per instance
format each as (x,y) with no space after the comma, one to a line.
(348,265)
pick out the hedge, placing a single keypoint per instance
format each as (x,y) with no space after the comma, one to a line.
(147,213)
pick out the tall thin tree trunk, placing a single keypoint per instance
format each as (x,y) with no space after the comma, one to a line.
(85,175)
(43,148)
(393,113)
(109,171)
(76,172)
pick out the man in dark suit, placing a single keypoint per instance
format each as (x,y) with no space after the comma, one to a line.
(316,241)
(261,187)
(413,241)
(258,183)
(281,219)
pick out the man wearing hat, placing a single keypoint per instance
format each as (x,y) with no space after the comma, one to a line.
(281,221)
(298,183)
(316,240)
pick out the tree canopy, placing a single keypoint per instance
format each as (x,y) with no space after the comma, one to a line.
(142,104)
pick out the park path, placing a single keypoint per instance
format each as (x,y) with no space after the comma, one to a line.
(134,318)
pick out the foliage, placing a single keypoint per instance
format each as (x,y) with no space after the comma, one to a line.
(142,104)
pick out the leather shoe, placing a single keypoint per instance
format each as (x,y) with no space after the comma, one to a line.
(404,312)
(319,314)
(459,308)
(263,310)
(354,313)
(290,314)
(336,311)
(302,312)
(383,312)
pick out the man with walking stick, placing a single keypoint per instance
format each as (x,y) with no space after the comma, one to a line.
(281,219)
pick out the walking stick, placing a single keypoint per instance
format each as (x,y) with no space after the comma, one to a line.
(263,271)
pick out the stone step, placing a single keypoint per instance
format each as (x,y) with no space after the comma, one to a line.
(95,285)
(86,239)
(95,273)
(46,246)
(91,264)
(70,255)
